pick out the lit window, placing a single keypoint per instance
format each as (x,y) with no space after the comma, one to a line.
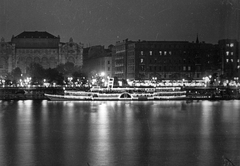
(189,68)
(150,52)
(238,67)
(160,52)
(227,53)
(184,68)
(238,60)
(231,60)
(231,45)
(165,52)
(227,45)
(231,53)
(141,60)
(170,52)
(226,60)
(141,52)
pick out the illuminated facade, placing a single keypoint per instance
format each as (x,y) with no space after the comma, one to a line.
(38,47)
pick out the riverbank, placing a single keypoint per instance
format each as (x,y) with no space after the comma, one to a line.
(24,93)
(37,93)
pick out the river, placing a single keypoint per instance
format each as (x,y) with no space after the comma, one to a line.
(119,133)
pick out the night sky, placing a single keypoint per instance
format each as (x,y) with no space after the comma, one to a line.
(104,22)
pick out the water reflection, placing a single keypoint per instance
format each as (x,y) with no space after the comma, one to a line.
(119,133)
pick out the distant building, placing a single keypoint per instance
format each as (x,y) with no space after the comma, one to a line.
(97,59)
(38,47)
(6,55)
(229,51)
(164,60)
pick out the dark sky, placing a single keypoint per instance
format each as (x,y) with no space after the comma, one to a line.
(106,21)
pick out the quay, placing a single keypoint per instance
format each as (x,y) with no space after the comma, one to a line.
(37,93)
(27,93)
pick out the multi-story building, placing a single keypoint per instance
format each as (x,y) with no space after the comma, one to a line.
(38,47)
(137,60)
(229,51)
(97,60)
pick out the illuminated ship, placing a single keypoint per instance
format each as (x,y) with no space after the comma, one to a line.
(130,93)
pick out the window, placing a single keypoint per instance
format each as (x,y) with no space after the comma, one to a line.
(231,44)
(184,68)
(108,62)
(226,60)
(231,60)
(227,53)
(141,52)
(170,52)
(165,52)
(160,52)
(231,53)
(189,68)
(108,68)
(150,52)
(141,60)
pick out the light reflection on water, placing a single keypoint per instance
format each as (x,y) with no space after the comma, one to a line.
(119,133)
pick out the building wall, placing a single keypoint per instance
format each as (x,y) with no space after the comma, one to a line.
(97,59)
(163,59)
(45,49)
(229,50)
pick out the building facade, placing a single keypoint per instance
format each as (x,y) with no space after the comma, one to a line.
(97,60)
(164,60)
(229,51)
(39,47)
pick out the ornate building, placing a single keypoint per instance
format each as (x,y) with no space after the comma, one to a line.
(38,47)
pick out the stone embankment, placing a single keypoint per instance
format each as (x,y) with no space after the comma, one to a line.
(24,93)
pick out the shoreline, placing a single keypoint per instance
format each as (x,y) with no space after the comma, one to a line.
(193,93)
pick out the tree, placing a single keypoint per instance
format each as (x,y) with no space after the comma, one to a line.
(69,68)
(36,71)
(16,74)
(52,75)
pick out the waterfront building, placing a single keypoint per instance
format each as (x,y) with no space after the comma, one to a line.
(97,60)
(164,60)
(6,55)
(229,51)
(39,47)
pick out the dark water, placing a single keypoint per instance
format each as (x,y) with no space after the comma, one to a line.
(153,133)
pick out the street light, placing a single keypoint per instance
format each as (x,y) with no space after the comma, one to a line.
(102,74)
